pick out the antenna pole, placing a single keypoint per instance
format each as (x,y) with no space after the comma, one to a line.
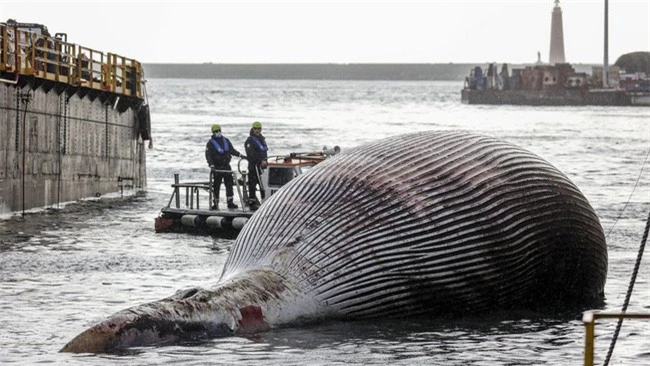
(606,56)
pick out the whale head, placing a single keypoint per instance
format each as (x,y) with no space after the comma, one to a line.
(188,315)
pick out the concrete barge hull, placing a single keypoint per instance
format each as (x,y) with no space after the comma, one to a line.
(61,144)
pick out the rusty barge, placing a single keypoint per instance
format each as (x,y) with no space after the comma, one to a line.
(73,120)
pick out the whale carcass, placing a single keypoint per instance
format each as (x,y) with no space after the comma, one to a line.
(426,223)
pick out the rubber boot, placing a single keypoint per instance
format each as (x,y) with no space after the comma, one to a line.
(231,204)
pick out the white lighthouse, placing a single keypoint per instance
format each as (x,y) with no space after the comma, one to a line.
(556,54)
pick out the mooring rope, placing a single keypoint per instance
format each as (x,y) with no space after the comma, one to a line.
(629,198)
(24,98)
(629,290)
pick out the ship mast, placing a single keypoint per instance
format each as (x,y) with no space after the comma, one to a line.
(606,51)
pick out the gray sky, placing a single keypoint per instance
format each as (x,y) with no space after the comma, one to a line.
(345,31)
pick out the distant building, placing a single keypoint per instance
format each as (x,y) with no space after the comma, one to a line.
(556,54)
(613,73)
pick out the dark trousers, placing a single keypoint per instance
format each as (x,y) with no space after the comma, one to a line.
(227,181)
(253,180)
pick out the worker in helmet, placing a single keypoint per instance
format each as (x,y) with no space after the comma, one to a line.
(256,150)
(218,153)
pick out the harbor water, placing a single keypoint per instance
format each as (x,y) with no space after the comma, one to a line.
(62,271)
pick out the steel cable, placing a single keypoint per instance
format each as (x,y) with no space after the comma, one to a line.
(629,198)
(629,290)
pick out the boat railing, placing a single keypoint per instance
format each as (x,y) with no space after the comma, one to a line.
(24,53)
(192,191)
(589,319)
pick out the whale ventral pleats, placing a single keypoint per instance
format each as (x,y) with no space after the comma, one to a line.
(450,222)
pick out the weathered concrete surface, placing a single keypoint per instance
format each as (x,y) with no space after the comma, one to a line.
(60,146)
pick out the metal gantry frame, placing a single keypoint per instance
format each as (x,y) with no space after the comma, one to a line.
(24,53)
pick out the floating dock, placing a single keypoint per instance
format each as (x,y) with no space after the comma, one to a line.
(186,212)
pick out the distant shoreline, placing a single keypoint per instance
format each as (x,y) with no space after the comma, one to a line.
(361,71)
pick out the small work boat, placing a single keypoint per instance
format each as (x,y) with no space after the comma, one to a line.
(189,211)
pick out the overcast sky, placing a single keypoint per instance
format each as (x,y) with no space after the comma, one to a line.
(346,31)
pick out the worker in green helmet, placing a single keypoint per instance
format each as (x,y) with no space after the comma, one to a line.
(256,150)
(218,153)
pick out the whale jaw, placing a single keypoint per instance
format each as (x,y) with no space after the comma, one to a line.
(116,333)
(124,330)
(239,305)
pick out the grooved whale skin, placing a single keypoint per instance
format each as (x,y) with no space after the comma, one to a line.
(426,223)
(431,221)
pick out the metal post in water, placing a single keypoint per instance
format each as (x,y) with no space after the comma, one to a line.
(588,320)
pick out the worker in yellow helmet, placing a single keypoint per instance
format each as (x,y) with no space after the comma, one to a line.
(256,150)
(218,153)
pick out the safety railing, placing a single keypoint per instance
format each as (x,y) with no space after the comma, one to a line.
(31,54)
(192,190)
(589,319)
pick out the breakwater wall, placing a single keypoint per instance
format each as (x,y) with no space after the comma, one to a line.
(360,71)
(310,71)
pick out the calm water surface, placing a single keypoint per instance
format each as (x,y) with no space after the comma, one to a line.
(62,272)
